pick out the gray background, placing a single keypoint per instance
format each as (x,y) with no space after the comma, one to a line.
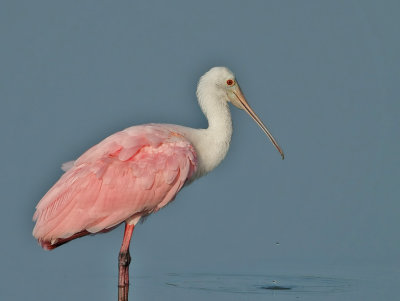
(323,75)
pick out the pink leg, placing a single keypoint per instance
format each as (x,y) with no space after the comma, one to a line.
(124,259)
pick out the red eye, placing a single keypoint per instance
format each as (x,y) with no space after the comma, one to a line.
(229,82)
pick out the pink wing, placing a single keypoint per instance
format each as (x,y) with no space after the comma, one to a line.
(129,174)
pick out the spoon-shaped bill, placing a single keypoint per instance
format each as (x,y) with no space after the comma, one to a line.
(245,106)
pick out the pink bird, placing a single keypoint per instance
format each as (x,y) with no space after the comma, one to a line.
(137,171)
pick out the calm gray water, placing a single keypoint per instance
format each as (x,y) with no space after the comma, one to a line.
(334,283)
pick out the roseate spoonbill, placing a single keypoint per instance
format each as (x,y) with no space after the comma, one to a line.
(139,170)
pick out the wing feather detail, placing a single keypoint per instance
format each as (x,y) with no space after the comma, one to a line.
(134,172)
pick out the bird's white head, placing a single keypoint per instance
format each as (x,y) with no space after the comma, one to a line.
(217,87)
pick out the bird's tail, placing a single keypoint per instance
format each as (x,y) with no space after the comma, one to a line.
(54,243)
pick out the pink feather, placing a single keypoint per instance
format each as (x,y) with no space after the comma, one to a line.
(130,174)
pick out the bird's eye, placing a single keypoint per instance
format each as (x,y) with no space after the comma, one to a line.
(230,82)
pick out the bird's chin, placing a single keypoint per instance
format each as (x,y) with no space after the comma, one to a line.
(234,100)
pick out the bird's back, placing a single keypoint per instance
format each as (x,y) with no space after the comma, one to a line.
(128,175)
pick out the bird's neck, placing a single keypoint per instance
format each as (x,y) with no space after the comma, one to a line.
(219,118)
(213,143)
